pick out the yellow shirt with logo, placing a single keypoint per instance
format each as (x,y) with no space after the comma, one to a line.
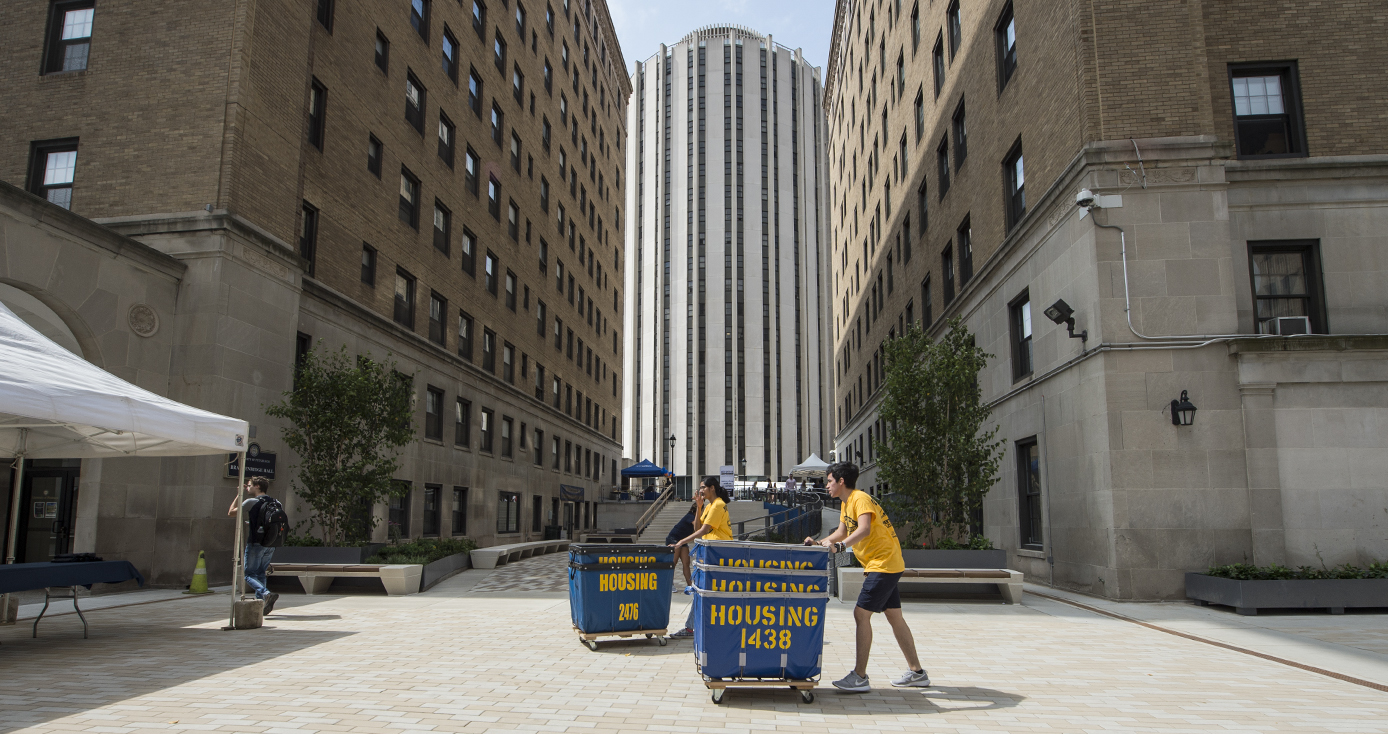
(716,516)
(880,551)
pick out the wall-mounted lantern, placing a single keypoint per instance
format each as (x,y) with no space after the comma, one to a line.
(1182,411)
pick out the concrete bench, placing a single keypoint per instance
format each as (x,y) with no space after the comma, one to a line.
(317,577)
(497,555)
(1009,582)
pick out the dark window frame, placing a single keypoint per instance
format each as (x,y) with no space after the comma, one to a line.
(56,54)
(405,305)
(486,429)
(419,18)
(409,210)
(414,114)
(1007,61)
(450,66)
(324,14)
(954,23)
(308,236)
(368,265)
(1020,342)
(462,422)
(438,326)
(1314,274)
(38,169)
(965,251)
(433,421)
(442,237)
(1015,197)
(317,113)
(1030,505)
(488,351)
(466,325)
(942,166)
(959,127)
(447,148)
(373,163)
(432,500)
(1295,122)
(937,63)
(507,512)
(459,511)
(382,52)
(469,252)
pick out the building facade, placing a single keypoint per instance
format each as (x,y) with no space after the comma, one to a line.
(726,258)
(437,183)
(1235,197)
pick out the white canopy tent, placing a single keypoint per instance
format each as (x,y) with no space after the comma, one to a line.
(811,467)
(56,405)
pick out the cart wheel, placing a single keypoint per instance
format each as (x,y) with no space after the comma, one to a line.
(591,645)
(661,640)
(718,694)
(649,636)
(807,696)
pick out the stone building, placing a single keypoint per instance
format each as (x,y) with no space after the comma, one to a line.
(1238,175)
(726,258)
(439,182)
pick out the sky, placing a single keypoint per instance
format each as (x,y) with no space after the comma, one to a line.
(642,25)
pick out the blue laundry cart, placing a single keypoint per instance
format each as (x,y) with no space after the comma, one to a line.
(620,590)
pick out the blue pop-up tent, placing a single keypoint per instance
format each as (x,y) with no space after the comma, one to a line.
(643,469)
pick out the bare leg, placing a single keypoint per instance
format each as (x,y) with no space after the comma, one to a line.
(683,555)
(903,637)
(863,619)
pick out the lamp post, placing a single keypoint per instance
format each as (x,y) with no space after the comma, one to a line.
(669,463)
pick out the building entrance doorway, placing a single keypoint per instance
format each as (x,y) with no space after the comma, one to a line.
(48,509)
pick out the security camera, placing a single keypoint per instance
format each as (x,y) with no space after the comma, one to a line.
(1084,199)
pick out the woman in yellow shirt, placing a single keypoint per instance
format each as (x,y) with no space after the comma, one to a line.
(714,525)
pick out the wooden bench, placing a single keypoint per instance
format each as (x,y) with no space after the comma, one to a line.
(317,577)
(497,555)
(1009,582)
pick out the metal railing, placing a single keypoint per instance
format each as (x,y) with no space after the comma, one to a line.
(807,519)
(654,510)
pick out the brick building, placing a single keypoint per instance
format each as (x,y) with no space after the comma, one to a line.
(1237,158)
(436,180)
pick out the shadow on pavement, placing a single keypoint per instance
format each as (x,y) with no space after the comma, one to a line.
(879,702)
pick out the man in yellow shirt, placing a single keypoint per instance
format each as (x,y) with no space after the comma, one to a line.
(865,527)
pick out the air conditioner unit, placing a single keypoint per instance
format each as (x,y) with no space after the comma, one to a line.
(1286,325)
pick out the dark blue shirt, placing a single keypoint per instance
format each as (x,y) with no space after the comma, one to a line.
(682,530)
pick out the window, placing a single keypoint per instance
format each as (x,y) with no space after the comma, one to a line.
(317,108)
(923,204)
(1287,282)
(308,235)
(517,84)
(544,203)
(462,423)
(549,19)
(53,167)
(499,52)
(942,166)
(494,197)
(554,452)
(515,152)
(956,29)
(469,252)
(368,264)
(540,318)
(1267,110)
(404,298)
(447,133)
(520,21)
(511,290)
(438,310)
(549,78)
(433,413)
(498,123)
(382,52)
(479,17)
(1016,185)
(450,54)
(419,18)
(961,136)
(947,273)
(69,36)
(915,28)
(470,167)
(409,198)
(1006,33)
(937,63)
(1029,493)
(374,152)
(556,400)
(512,220)
(558,334)
(398,518)
(414,102)
(544,255)
(431,510)
(491,266)
(539,445)
(539,381)
(506,438)
(459,511)
(465,335)
(966,252)
(545,131)
(474,92)
(1019,318)
(488,418)
(920,117)
(508,512)
(443,223)
(926,312)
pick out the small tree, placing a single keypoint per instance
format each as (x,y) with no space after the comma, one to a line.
(349,417)
(938,457)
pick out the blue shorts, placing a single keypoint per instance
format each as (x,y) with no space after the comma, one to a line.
(880,592)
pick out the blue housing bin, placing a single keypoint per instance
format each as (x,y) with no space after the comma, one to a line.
(777,636)
(759,580)
(618,588)
(747,554)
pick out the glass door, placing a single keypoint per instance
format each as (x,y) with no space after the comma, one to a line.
(48,507)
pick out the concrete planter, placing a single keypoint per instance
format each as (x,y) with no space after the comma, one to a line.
(1247,597)
(955,558)
(324,554)
(443,568)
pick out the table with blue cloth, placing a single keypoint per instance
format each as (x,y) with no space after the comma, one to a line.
(47,576)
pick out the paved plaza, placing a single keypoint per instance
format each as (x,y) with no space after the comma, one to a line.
(493,651)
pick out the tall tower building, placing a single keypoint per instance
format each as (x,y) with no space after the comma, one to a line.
(726,257)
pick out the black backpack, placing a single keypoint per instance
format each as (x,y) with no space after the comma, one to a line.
(270,524)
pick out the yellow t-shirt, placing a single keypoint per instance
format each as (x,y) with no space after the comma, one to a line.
(716,516)
(880,551)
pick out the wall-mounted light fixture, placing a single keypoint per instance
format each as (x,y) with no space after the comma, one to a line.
(1182,411)
(1061,313)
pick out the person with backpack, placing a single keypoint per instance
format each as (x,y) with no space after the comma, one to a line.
(266,526)
(683,528)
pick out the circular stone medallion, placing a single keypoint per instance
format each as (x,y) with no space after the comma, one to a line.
(143,320)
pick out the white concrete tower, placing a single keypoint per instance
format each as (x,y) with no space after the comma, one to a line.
(726,266)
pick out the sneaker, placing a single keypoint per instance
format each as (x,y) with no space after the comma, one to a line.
(686,632)
(853,683)
(270,600)
(912,679)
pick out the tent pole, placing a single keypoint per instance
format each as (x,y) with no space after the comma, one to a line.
(14,512)
(238,553)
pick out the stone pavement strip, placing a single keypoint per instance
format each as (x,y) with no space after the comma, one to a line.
(460,658)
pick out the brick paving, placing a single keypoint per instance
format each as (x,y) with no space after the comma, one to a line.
(460,659)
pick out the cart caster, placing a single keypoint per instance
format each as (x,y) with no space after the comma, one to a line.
(807,696)
(718,694)
(591,645)
(661,641)
(649,636)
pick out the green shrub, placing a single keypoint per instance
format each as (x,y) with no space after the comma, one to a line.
(1275,572)
(977,542)
(423,551)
